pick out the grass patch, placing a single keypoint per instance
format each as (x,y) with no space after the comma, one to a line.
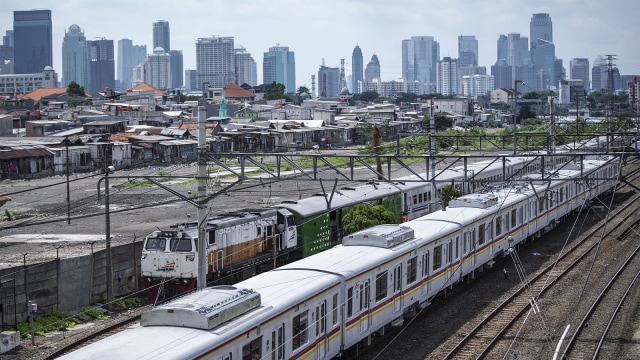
(92,313)
(57,320)
(125,303)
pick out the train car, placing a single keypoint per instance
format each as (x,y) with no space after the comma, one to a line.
(325,305)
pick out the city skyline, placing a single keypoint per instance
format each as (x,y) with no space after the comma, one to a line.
(331,30)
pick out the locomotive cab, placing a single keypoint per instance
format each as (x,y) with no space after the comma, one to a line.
(287,233)
(169,255)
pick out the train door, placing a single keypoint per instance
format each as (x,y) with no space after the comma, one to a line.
(334,236)
(287,232)
(321,329)
(397,288)
(365,291)
(425,274)
(278,342)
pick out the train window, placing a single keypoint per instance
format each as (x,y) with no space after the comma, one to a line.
(490,230)
(425,265)
(212,237)
(481,234)
(412,270)
(498,225)
(450,250)
(299,331)
(561,195)
(506,221)
(291,220)
(513,218)
(541,205)
(155,244)
(349,302)
(381,285)
(334,312)
(457,248)
(258,230)
(415,199)
(252,350)
(437,257)
(180,245)
(520,216)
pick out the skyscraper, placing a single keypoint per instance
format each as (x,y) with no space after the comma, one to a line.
(215,61)
(372,70)
(6,53)
(191,80)
(176,68)
(447,76)
(357,68)
(246,67)
(540,28)
(328,81)
(161,35)
(158,69)
(420,55)
(579,70)
(32,41)
(279,65)
(543,52)
(102,66)
(129,55)
(467,51)
(75,57)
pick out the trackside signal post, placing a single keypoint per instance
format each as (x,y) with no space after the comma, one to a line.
(202,194)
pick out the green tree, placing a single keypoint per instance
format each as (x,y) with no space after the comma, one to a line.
(526,113)
(302,89)
(74,89)
(449,193)
(276,91)
(367,96)
(442,121)
(406,98)
(365,216)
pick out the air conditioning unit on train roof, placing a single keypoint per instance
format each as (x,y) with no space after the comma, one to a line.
(480,201)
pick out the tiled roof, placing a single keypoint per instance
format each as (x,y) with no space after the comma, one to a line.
(147,87)
(38,94)
(234,91)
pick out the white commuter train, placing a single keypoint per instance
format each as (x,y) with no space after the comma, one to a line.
(322,306)
(243,243)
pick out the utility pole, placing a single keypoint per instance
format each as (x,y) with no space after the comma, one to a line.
(203,265)
(552,129)
(432,153)
(515,115)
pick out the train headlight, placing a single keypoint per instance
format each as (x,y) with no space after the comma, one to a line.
(144,256)
(185,281)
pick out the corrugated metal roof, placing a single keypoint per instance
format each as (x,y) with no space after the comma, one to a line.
(24,152)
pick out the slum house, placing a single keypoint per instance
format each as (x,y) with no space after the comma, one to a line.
(105,126)
(146,148)
(36,128)
(25,162)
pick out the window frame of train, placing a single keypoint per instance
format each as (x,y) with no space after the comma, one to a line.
(382,283)
(350,293)
(412,270)
(514,218)
(334,310)
(437,257)
(481,233)
(299,331)
(253,348)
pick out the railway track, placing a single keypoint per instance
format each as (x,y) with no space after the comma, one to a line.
(495,334)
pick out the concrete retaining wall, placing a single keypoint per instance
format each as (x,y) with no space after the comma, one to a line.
(69,284)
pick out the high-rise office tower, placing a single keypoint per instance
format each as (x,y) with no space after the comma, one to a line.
(420,54)
(32,41)
(328,81)
(540,28)
(279,65)
(599,74)
(75,57)
(246,67)
(215,61)
(161,35)
(102,66)
(543,52)
(129,55)
(176,68)
(447,76)
(467,51)
(6,53)
(579,70)
(357,70)
(372,70)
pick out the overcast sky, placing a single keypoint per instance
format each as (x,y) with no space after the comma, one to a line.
(330,29)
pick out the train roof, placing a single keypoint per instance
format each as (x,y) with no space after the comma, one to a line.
(238,217)
(343,197)
(163,339)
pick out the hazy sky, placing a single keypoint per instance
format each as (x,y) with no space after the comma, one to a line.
(330,29)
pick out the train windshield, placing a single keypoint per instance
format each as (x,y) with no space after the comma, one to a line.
(155,244)
(180,245)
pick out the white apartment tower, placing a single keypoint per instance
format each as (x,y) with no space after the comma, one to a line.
(215,61)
